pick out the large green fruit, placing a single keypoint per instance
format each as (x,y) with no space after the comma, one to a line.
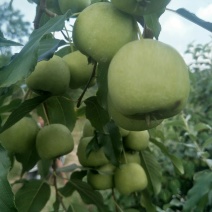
(137,140)
(152,77)
(129,178)
(131,123)
(20,138)
(51,76)
(54,140)
(139,8)
(95,158)
(130,157)
(101,30)
(79,68)
(102,178)
(74,5)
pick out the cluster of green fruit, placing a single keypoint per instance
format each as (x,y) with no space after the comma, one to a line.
(50,142)
(129,176)
(148,80)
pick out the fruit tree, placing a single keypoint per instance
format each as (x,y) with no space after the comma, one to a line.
(97,114)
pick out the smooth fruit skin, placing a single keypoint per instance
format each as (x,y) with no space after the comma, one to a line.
(128,157)
(131,123)
(101,30)
(20,137)
(75,5)
(54,140)
(95,158)
(123,132)
(154,80)
(137,140)
(79,68)
(51,76)
(129,178)
(88,129)
(139,8)
(101,179)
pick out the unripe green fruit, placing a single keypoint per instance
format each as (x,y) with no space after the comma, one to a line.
(103,179)
(139,8)
(75,5)
(128,157)
(137,140)
(123,132)
(51,76)
(95,158)
(88,129)
(157,85)
(20,137)
(80,70)
(101,30)
(131,123)
(53,141)
(129,178)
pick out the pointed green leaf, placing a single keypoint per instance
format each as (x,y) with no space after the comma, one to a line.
(24,108)
(32,196)
(152,169)
(44,168)
(177,162)
(10,106)
(96,114)
(201,127)
(4,42)
(6,194)
(146,201)
(17,70)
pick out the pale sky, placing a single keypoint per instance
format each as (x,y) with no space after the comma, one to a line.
(176,30)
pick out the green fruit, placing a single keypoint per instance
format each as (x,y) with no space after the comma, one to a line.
(123,132)
(51,76)
(80,70)
(74,5)
(132,123)
(157,85)
(95,158)
(137,140)
(53,141)
(139,8)
(129,178)
(88,129)
(102,178)
(20,137)
(128,157)
(101,30)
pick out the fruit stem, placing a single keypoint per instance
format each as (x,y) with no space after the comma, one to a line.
(117,207)
(45,113)
(87,85)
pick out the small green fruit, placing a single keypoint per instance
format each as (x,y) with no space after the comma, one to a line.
(95,158)
(139,8)
(137,140)
(129,178)
(20,137)
(74,5)
(123,132)
(53,141)
(157,85)
(51,76)
(102,178)
(101,41)
(79,68)
(88,129)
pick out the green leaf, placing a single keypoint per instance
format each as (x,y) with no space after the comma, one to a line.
(6,194)
(146,201)
(101,94)
(11,106)
(152,169)
(88,195)
(96,114)
(201,127)
(60,110)
(28,160)
(17,70)
(207,143)
(69,168)
(4,42)
(44,168)
(32,196)
(199,192)
(26,107)
(177,162)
